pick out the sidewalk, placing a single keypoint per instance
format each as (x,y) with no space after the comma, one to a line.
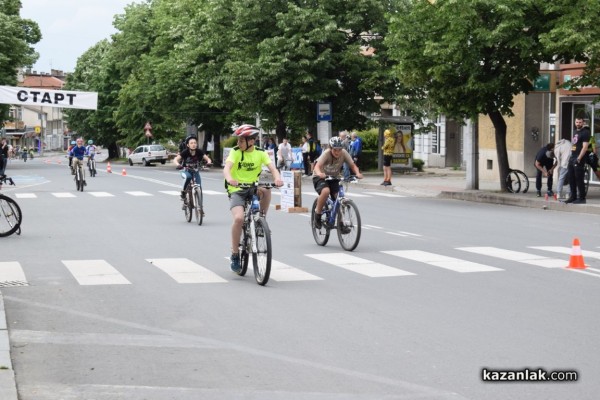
(448,183)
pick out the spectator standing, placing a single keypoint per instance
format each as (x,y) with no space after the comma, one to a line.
(579,153)
(544,164)
(356,149)
(388,151)
(562,152)
(312,150)
(305,158)
(3,156)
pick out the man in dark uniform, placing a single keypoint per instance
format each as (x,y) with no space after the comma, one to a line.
(544,164)
(581,142)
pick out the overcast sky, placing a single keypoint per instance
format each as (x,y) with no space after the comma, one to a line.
(69,28)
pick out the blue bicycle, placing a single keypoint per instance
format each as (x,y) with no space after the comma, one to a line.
(338,213)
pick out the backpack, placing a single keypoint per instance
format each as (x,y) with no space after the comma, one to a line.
(318,149)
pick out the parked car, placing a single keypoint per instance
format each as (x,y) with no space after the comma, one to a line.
(148,154)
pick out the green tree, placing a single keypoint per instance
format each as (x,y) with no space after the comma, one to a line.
(575,36)
(96,72)
(17,35)
(475,61)
(279,58)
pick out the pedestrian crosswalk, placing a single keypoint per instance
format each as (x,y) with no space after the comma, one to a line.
(393,264)
(137,193)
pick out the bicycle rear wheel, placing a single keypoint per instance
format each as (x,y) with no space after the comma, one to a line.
(321,235)
(10,216)
(198,205)
(262,257)
(524,179)
(188,205)
(513,182)
(348,225)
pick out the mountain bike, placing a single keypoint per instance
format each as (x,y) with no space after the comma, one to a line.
(517,180)
(10,212)
(341,214)
(255,239)
(92,167)
(193,201)
(79,176)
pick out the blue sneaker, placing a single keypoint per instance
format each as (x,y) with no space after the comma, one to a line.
(235,263)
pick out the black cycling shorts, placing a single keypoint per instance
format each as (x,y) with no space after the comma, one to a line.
(387,161)
(592,160)
(319,184)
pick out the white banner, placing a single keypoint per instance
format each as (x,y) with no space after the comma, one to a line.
(48,98)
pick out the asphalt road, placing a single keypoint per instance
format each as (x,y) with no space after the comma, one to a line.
(436,292)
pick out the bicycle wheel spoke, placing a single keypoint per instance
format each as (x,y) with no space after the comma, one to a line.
(321,235)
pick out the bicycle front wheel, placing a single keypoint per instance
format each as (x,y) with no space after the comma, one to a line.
(262,257)
(513,182)
(321,235)
(188,206)
(198,205)
(524,180)
(348,225)
(10,218)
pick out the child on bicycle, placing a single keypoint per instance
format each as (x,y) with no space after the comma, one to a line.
(78,152)
(244,165)
(191,156)
(330,164)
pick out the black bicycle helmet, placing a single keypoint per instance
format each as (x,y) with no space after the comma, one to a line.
(190,137)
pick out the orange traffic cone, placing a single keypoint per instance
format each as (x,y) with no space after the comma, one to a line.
(123,172)
(576,260)
(108,168)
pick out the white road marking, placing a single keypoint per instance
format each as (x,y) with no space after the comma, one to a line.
(359,265)
(94,272)
(437,260)
(63,195)
(11,271)
(135,193)
(281,272)
(183,270)
(25,195)
(525,258)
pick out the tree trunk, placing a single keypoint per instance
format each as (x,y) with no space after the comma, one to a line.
(281,128)
(113,150)
(502,154)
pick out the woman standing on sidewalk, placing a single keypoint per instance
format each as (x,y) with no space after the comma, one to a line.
(388,152)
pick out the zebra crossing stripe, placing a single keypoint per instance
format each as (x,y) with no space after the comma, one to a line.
(101,194)
(25,195)
(183,270)
(281,272)
(135,193)
(384,194)
(438,260)
(94,272)
(359,265)
(11,271)
(171,192)
(63,195)
(567,250)
(525,258)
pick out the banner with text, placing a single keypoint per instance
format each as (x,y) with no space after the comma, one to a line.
(48,98)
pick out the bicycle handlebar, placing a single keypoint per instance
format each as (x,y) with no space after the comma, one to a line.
(189,167)
(267,185)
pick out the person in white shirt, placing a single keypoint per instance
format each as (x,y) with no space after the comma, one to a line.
(562,152)
(285,156)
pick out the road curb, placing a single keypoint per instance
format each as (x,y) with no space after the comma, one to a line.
(8,385)
(512,200)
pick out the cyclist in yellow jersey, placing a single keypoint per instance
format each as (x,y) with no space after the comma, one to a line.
(244,165)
